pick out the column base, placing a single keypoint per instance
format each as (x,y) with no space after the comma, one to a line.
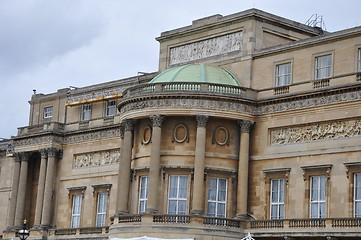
(197,212)
(244,217)
(121,213)
(151,211)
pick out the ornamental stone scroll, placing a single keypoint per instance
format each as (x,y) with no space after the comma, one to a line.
(129,124)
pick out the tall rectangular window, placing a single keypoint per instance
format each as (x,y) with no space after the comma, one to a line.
(76,210)
(48,112)
(111,108)
(359,60)
(177,194)
(283,74)
(357,195)
(323,66)
(143,194)
(85,112)
(318,197)
(217,195)
(101,209)
(277,198)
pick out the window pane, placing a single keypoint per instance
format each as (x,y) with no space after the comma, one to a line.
(211,209)
(314,210)
(181,207)
(172,207)
(357,209)
(274,212)
(221,210)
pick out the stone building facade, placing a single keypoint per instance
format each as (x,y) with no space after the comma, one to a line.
(252,124)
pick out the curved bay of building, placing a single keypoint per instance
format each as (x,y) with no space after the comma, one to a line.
(238,132)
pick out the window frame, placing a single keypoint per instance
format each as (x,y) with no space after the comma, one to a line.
(278,203)
(317,70)
(77,192)
(140,199)
(46,114)
(278,76)
(271,174)
(217,201)
(318,201)
(101,215)
(178,199)
(85,111)
(108,106)
(316,170)
(77,216)
(352,168)
(100,189)
(358,59)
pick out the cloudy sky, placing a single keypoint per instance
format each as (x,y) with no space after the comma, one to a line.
(48,44)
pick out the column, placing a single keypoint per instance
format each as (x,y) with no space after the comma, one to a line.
(125,168)
(154,168)
(48,188)
(200,153)
(20,201)
(242,189)
(14,192)
(41,186)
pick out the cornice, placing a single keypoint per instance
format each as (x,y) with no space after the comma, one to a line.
(309,41)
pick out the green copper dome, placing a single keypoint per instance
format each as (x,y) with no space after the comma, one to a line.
(199,73)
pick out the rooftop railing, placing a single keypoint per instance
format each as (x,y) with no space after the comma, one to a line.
(188,87)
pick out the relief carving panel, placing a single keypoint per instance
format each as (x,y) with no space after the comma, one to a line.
(206,48)
(315,132)
(97,159)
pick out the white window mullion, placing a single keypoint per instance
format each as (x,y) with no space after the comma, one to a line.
(357,195)
(143,194)
(318,197)
(217,197)
(277,199)
(177,194)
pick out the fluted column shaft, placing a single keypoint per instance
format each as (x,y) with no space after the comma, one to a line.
(20,201)
(154,168)
(14,193)
(41,186)
(242,190)
(198,189)
(125,168)
(48,188)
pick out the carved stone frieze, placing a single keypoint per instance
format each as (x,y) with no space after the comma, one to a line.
(189,103)
(88,136)
(243,107)
(97,159)
(206,48)
(315,132)
(37,140)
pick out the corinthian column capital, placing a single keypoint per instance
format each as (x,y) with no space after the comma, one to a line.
(245,125)
(129,124)
(43,153)
(202,120)
(157,120)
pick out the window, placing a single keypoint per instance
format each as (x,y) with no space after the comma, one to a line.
(217,195)
(359,60)
(318,197)
(143,194)
(76,210)
(85,112)
(101,209)
(277,198)
(357,195)
(177,194)
(111,108)
(283,74)
(48,112)
(323,67)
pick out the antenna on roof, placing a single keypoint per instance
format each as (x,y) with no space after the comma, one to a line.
(316,21)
